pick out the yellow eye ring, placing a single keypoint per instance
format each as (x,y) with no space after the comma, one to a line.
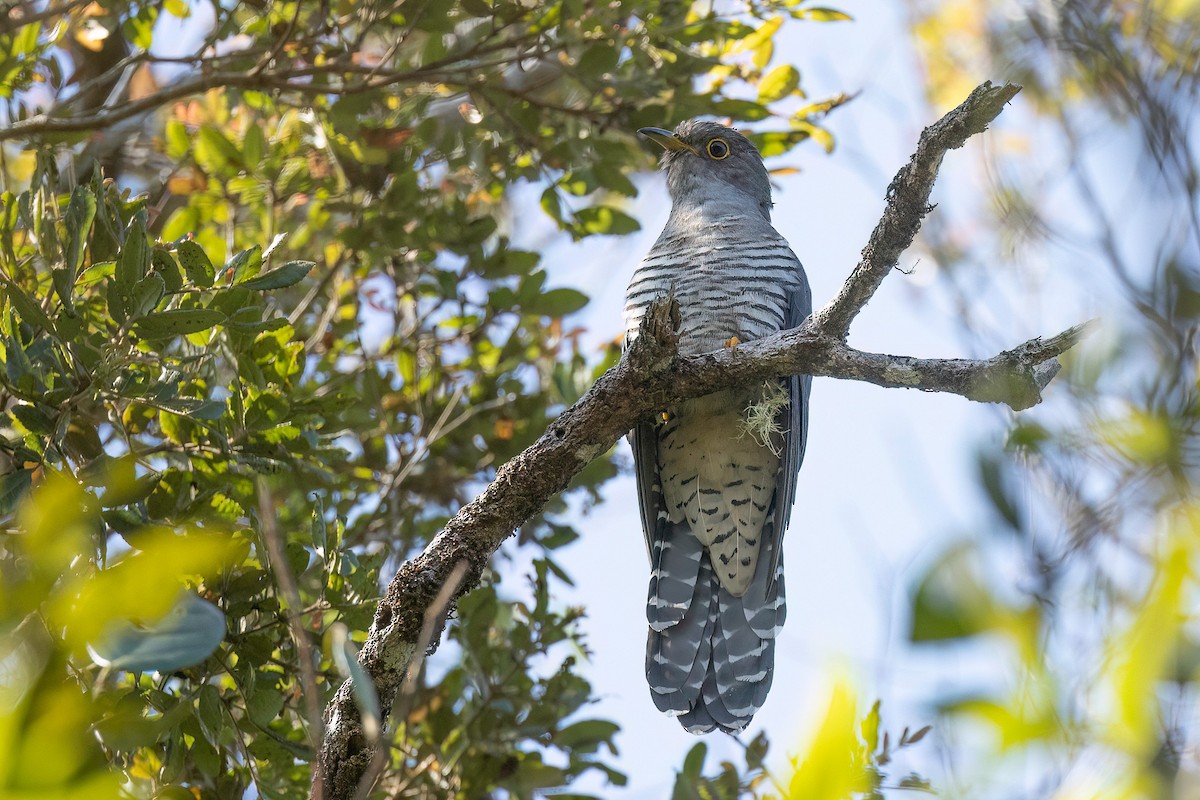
(718,149)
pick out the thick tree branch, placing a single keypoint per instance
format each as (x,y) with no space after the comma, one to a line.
(651,377)
(908,202)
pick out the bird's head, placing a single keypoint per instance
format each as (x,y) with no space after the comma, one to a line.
(707,162)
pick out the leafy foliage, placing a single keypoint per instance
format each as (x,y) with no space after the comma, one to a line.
(1093,497)
(264,326)
(845,757)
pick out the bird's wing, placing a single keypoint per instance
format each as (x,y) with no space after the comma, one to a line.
(643,439)
(764,602)
(767,611)
(799,307)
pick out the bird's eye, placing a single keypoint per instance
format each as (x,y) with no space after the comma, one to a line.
(718,149)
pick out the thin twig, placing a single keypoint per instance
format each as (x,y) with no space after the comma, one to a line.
(287,583)
(908,202)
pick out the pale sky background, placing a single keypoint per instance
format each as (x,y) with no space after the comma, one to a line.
(889,477)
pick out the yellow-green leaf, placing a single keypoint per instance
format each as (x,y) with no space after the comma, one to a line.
(825,15)
(778,83)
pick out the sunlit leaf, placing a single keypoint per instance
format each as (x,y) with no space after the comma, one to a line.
(196,263)
(289,274)
(778,83)
(832,768)
(825,15)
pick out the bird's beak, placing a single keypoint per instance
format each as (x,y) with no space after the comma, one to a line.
(667,140)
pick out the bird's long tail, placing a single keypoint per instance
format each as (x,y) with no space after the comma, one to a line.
(710,656)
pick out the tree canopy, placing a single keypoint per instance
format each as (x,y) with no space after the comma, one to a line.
(265,329)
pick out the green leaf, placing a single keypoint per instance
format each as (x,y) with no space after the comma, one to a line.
(586,736)
(63,284)
(105,233)
(245,264)
(33,419)
(816,132)
(998,486)
(607,220)
(756,751)
(215,153)
(552,205)
(121,491)
(178,322)
(557,302)
(178,140)
(616,181)
(81,211)
(824,15)
(196,264)
(17,364)
(289,274)
(187,635)
(210,714)
(264,706)
(951,600)
(208,410)
(318,529)
(693,763)
(741,109)
(254,145)
(116,302)
(146,294)
(13,487)
(30,312)
(778,83)
(763,53)
(597,60)
(774,143)
(165,266)
(762,34)
(133,260)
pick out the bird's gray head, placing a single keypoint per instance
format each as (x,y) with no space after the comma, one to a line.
(706,161)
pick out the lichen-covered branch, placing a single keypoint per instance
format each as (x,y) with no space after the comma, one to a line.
(908,202)
(650,377)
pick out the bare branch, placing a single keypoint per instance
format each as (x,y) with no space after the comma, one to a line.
(20,15)
(455,68)
(651,377)
(908,202)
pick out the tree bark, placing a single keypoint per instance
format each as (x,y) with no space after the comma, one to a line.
(652,376)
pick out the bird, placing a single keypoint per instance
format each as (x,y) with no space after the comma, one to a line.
(716,475)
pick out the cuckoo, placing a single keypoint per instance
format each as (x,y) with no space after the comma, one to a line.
(716,476)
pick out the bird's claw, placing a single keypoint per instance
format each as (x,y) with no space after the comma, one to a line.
(732,342)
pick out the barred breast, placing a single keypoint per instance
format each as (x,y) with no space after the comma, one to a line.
(731,279)
(726,286)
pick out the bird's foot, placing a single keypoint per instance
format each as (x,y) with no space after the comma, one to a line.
(732,342)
